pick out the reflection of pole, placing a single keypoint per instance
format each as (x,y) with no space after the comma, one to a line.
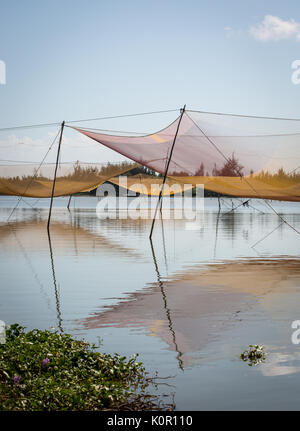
(217,228)
(167,158)
(160,283)
(54,179)
(59,319)
(163,238)
(166,172)
(74,229)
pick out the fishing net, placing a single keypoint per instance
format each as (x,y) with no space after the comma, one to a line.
(80,167)
(150,185)
(230,154)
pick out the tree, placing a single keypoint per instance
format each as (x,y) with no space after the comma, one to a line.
(200,171)
(231,168)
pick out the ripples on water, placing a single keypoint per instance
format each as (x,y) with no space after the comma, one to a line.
(190,304)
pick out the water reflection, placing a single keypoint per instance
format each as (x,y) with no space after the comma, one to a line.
(167,309)
(190,299)
(281,364)
(59,318)
(27,247)
(201,304)
(70,235)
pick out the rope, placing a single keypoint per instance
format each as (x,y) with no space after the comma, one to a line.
(242,177)
(253,246)
(245,116)
(20,198)
(4,129)
(242,202)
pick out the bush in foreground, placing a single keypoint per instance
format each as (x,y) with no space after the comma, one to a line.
(47,370)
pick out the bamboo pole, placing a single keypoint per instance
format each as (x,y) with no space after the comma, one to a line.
(54,179)
(166,172)
(68,206)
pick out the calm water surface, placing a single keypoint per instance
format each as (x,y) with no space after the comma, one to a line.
(189,305)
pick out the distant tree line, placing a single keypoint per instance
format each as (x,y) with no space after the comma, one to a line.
(231,168)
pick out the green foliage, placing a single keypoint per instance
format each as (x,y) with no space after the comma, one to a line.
(47,370)
(254,355)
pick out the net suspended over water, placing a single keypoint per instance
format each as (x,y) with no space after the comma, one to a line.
(28,162)
(230,154)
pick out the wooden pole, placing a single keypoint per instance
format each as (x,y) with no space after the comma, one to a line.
(68,206)
(54,179)
(166,172)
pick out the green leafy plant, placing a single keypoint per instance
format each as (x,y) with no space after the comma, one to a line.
(254,355)
(47,370)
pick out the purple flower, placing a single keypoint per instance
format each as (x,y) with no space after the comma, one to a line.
(17,380)
(45,362)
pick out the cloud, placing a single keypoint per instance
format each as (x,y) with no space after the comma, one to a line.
(273,28)
(230,32)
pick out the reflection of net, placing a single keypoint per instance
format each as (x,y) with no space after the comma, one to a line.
(229,154)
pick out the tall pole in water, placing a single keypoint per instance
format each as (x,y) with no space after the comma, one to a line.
(54,179)
(166,172)
(68,206)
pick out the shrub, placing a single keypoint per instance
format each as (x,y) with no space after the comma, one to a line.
(47,370)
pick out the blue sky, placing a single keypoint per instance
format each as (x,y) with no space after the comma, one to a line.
(72,59)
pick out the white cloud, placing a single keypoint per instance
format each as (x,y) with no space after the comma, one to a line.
(274,28)
(230,32)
